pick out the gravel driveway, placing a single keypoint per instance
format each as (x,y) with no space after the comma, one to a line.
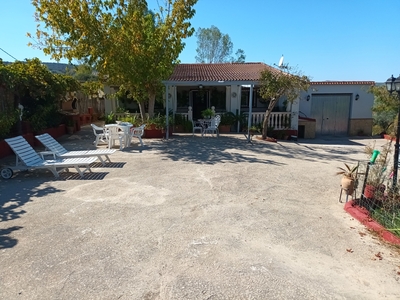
(193,218)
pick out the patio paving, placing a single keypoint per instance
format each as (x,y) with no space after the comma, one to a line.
(193,218)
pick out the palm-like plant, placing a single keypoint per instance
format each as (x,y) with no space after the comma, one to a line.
(348,171)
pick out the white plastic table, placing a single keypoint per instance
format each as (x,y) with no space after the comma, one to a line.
(120,132)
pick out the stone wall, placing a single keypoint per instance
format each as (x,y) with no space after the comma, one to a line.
(360,127)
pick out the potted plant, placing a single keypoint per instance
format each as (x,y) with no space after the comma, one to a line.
(207,113)
(227,120)
(349,176)
(179,123)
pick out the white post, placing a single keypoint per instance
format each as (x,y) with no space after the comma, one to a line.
(190,113)
(250,112)
(167,111)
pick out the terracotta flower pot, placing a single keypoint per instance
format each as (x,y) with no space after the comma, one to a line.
(347,184)
(370,190)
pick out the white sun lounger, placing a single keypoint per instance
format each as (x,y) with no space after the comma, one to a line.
(27,158)
(55,147)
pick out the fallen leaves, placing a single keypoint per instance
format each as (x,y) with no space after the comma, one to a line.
(377,256)
(350,250)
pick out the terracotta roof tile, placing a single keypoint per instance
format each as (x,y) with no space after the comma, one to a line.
(343,82)
(219,72)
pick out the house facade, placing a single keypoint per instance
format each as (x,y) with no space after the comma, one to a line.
(337,108)
(224,87)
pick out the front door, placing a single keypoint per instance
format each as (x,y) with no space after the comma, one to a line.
(200,103)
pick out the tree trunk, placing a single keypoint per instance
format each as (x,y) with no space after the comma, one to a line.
(142,110)
(152,101)
(266,117)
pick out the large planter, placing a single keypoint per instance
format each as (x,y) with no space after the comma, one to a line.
(156,133)
(153,134)
(224,128)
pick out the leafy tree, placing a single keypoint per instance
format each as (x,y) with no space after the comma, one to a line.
(83,73)
(276,84)
(240,56)
(385,108)
(215,47)
(119,38)
(37,89)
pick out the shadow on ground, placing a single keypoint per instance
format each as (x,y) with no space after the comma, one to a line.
(12,199)
(231,149)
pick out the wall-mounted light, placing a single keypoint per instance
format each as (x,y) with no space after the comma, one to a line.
(200,86)
(308,97)
(357,97)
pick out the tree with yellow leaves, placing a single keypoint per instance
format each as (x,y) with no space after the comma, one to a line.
(122,39)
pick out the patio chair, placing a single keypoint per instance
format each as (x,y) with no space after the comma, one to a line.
(136,132)
(213,126)
(197,126)
(100,134)
(113,134)
(55,147)
(30,159)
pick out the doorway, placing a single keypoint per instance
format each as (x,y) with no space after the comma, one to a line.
(200,102)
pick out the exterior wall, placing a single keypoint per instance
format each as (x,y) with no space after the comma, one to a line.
(309,128)
(360,110)
(235,101)
(294,108)
(360,127)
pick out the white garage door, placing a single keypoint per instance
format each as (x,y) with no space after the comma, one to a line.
(331,112)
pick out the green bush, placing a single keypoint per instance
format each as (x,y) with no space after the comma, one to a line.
(228,118)
(109,118)
(7,121)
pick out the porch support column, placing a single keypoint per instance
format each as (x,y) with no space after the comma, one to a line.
(250,113)
(166,112)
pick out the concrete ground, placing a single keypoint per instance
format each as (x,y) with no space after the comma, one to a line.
(193,218)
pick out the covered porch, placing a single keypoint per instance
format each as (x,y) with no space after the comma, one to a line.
(224,88)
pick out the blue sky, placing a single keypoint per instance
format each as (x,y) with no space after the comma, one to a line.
(325,39)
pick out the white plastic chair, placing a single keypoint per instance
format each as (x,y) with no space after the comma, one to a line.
(213,127)
(114,134)
(197,126)
(100,134)
(136,132)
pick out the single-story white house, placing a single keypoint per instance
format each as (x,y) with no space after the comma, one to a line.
(327,108)
(338,107)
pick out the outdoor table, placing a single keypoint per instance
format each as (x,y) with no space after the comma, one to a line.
(121,129)
(125,127)
(204,123)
